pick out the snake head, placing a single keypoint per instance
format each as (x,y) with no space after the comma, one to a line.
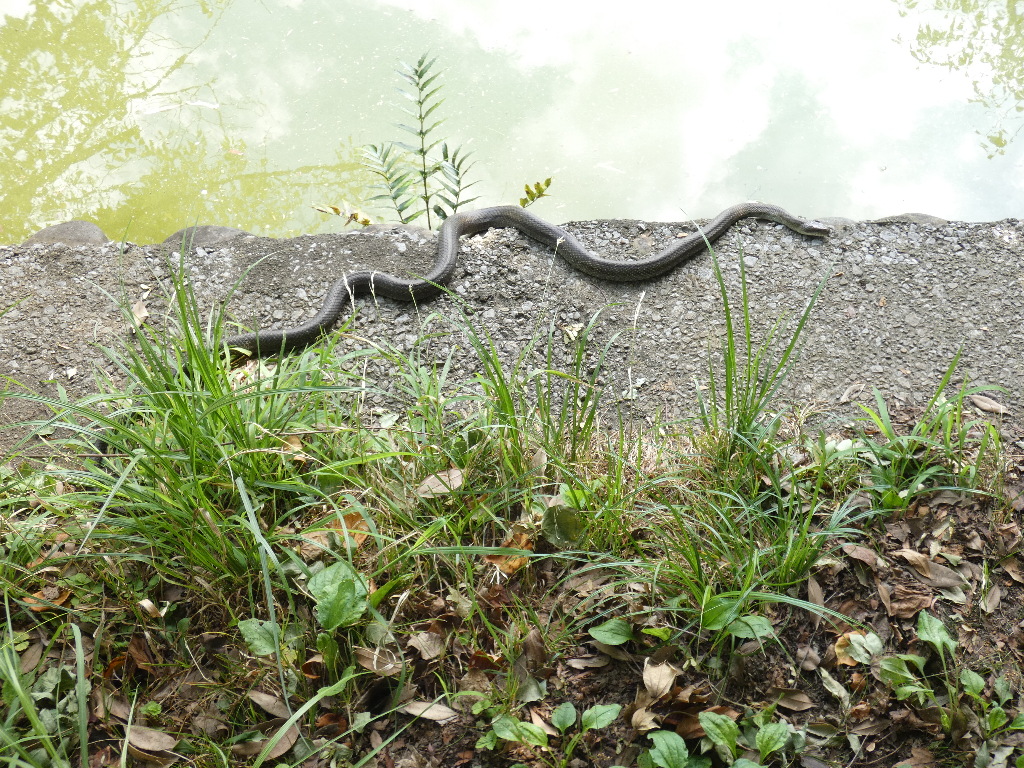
(814,229)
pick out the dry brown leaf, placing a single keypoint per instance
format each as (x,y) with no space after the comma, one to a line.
(269,703)
(860,711)
(428,710)
(139,312)
(589,662)
(643,720)
(865,555)
(509,564)
(150,739)
(815,596)
(858,681)
(429,645)
(314,544)
(659,678)
(383,661)
(884,594)
(1012,567)
(354,526)
(974,542)
(921,563)
(1015,496)
(871,727)
(822,729)
(441,484)
(988,405)
(149,608)
(931,573)
(47,599)
(107,705)
(313,667)
(920,757)
(210,725)
(475,680)
(541,723)
(907,603)
(535,650)
(333,722)
(139,653)
(270,727)
(852,391)
(696,694)
(539,463)
(688,723)
(792,699)
(163,759)
(807,658)
(992,599)
(486,661)
(31,657)
(114,666)
(615,651)
(285,743)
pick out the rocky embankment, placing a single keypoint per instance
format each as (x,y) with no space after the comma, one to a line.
(900,297)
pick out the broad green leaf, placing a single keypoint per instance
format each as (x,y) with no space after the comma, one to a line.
(261,636)
(973,683)
(933,631)
(1018,723)
(599,716)
(488,741)
(531,689)
(360,721)
(329,649)
(894,671)
(865,648)
(904,692)
(745,763)
(750,627)
(662,633)
(669,750)
(720,729)
(1002,689)
(564,716)
(771,738)
(340,593)
(917,661)
(719,612)
(562,525)
(997,718)
(510,729)
(613,632)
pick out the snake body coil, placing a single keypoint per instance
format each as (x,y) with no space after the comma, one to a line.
(341,293)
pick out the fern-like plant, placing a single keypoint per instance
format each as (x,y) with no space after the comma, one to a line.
(413,180)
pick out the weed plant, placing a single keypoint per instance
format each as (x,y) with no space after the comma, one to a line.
(423,177)
(413,182)
(941,449)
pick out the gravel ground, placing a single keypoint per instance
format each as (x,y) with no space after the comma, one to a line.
(901,296)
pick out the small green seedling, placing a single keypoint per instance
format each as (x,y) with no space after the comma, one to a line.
(506,728)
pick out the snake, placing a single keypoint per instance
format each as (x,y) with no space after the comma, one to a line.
(461,223)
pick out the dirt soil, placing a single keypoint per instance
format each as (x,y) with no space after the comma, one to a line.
(902,295)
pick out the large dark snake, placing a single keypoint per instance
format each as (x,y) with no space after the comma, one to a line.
(341,293)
